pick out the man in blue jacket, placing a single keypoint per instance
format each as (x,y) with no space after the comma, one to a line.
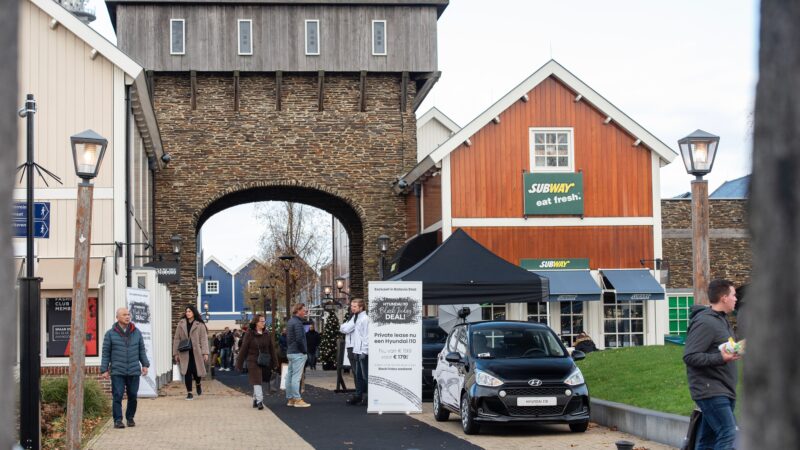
(124,352)
(296,352)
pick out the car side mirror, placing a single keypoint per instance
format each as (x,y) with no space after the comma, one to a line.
(453,357)
(578,355)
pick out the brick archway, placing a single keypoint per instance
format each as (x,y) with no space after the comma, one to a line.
(342,158)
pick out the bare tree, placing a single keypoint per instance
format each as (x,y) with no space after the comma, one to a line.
(8,135)
(772,367)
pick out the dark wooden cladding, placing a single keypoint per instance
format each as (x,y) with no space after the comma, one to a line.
(279,37)
(606,247)
(432,201)
(412,218)
(487,177)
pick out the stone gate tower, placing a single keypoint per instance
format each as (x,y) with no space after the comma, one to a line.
(309,101)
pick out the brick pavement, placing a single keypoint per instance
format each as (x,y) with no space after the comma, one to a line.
(223,418)
(220,418)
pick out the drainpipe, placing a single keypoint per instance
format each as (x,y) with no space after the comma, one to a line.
(128,254)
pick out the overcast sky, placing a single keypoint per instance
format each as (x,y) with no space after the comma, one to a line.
(671,65)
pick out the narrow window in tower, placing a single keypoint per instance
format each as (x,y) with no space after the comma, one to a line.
(379,37)
(177,37)
(245,37)
(312,37)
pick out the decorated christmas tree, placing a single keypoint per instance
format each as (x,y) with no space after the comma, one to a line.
(327,347)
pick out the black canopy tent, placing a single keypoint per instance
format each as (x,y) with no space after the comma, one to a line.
(462,271)
(413,252)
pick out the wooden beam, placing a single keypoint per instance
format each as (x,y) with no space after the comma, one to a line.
(321,90)
(278,81)
(403,92)
(193,95)
(422,92)
(362,86)
(236,90)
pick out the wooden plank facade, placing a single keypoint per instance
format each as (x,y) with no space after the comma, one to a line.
(278,32)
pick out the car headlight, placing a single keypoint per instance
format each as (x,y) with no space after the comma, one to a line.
(575,378)
(484,379)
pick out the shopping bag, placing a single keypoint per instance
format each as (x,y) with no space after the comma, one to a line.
(284,371)
(275,383)
(176,372)
(691,433)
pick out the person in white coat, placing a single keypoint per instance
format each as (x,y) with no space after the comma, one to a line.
(357,330)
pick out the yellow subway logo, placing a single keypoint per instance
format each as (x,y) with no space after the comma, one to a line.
(550,188)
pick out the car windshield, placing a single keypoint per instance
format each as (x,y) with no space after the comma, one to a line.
(515,342)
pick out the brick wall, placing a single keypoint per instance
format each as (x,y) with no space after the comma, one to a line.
(729,244)
(340,159)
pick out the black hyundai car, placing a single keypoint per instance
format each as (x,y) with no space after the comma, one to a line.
(505,371)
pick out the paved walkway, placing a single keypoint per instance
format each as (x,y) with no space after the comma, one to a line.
(224,418)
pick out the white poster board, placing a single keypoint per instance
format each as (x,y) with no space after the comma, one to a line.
(138,301)
(395,347)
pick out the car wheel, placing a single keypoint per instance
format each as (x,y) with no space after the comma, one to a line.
(440,413)
(579,427)
(468,423)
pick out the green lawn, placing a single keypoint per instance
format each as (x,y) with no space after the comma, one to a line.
(651,377)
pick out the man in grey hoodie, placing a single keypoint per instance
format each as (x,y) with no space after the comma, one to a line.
(711,371)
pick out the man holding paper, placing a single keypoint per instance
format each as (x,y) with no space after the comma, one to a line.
(711,366)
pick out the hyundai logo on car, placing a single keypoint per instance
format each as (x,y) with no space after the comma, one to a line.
(535,382)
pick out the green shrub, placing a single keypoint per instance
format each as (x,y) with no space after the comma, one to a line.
(95,401)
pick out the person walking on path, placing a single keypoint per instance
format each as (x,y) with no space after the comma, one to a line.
(254,343)
(296,353)
(711,370)
(358,330)
(125,360)
(192,360)
(226,347)
(313,339)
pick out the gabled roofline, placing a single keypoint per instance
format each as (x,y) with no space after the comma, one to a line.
(435,113)
(552,68)
(217,262)
(109,51)
(246,263)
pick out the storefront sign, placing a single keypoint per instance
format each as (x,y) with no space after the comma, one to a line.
(554,264)
(168,271)
(553,193)
(139,307)
(395,347)
(59,320)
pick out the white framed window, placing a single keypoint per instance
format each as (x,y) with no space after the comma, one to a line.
(571,322)
(177,37)
(245,37)
(379,37)
(212,287)
(552,150)
(539,312)
(312,37)
(251,285)
(493,311)
(623,322)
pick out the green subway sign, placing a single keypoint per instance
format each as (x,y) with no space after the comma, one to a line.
(553,194)
(555,264)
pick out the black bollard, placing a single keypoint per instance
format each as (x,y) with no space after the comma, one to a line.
(624,445)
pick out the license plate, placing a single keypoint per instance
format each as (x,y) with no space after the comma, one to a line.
(536,401)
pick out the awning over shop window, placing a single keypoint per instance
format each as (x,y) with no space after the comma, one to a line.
(57,273)
(632,284)
(571,285)
(413,252)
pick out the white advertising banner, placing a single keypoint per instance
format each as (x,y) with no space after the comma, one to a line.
(138,301)
(395,347)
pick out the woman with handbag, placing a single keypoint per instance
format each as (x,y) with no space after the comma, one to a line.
(190,348)
(257,350)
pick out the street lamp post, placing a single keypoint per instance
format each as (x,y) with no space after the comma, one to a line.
(206,314)
(273,281)
(88,149)
(383,247)
(286,262)
(698,151)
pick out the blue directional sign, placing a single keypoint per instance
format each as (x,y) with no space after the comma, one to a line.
(41,219)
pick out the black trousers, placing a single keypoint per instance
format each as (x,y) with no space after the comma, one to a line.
(191,373)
